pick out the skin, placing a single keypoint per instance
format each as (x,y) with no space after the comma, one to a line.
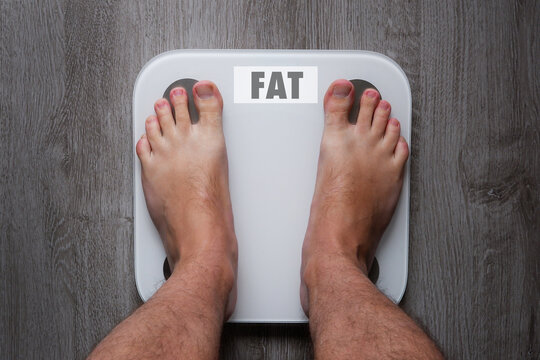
(359,180)
(185,181)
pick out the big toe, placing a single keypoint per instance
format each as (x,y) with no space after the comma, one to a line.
(209,102)
(338,101)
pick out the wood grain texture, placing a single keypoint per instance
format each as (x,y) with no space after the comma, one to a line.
(66,219)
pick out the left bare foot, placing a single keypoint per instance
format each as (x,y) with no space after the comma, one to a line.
(185,182)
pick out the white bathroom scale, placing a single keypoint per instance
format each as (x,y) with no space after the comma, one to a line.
(273,123)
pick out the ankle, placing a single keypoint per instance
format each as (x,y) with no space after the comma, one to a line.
(213,247)
(217,272)
(321,268)
(330,247)
(215,256)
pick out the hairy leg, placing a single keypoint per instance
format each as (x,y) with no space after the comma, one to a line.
(185,182)
(359,180)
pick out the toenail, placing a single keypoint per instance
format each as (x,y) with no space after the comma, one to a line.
(372,93)
(384,105)
(342,91)
(204,91)
(394,122)
(177,92)
(161,104)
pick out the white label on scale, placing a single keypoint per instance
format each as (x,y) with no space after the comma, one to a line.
(275,84)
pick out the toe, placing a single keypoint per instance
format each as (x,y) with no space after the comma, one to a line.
(143,148)
(380,118)
(153,130)
(391,135)
(338,101)
(165,117)
(209,102)
(368,103)
(179,101)
(401,153)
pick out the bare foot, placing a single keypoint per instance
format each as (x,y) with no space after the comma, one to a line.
(359,180)
(185,182)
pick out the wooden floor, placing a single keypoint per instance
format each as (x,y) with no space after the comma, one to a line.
(66,219)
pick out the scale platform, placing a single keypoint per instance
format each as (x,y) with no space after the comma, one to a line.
(273,123)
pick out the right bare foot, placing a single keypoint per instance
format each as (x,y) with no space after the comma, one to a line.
(185,182)
(359,180)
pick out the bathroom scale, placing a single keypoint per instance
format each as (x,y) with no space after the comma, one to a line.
(273,122)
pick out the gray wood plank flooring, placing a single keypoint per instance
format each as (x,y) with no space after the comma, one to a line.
(66,221)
